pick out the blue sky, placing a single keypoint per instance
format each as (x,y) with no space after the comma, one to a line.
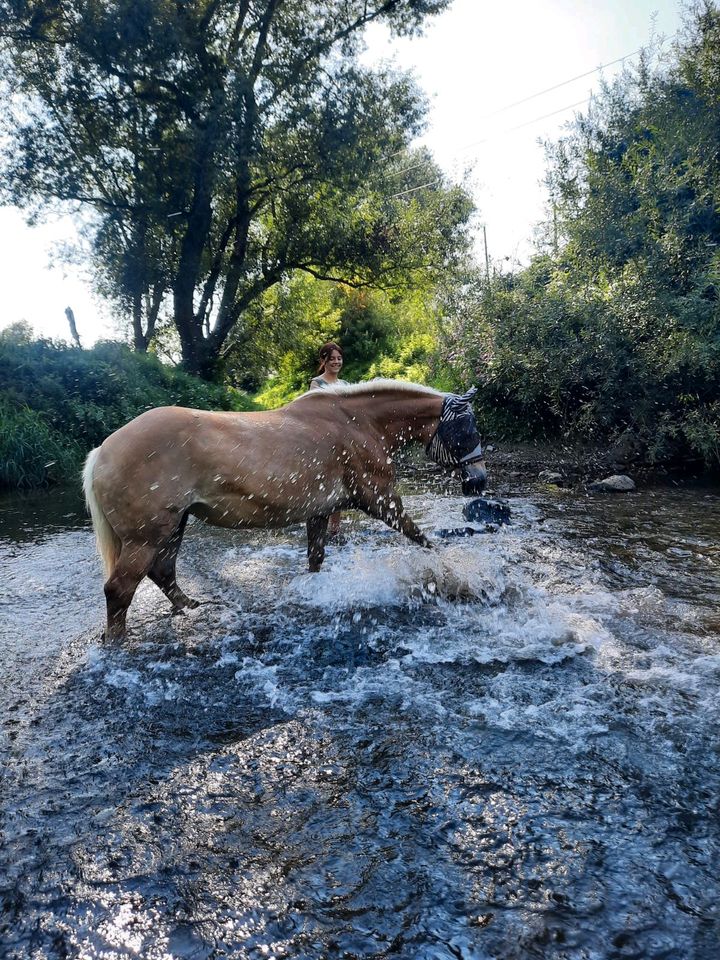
(473,62)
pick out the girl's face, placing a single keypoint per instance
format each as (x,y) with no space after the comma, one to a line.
(334,362)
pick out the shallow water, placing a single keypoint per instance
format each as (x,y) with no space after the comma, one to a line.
(504,748)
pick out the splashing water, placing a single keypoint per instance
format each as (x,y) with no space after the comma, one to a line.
(502,748)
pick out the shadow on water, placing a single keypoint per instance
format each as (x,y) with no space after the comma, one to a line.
(505,749)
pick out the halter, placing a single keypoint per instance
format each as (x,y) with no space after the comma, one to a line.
(456,442)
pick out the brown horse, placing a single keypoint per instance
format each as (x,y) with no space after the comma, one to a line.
(328,450)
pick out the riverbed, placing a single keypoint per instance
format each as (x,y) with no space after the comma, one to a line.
(506,747)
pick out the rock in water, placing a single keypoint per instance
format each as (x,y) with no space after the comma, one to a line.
(550,476)
(486,511)
(618,483)
(464,531)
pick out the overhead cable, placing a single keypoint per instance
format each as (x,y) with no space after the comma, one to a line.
(517,103)
(557,86)
(478,143)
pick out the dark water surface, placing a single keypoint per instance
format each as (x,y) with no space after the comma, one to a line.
(504,748)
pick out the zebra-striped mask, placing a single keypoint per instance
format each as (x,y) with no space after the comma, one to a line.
(456,442)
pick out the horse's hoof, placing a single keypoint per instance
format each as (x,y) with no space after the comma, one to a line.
(314,567)
(192,604)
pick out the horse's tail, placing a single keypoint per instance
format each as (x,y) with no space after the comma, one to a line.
(108,542)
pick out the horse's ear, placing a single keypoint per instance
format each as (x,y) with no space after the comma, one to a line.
(467,397)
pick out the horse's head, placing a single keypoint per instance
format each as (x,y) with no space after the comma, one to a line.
(456,442)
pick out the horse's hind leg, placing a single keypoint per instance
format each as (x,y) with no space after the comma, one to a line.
(316,534)
(163,574)
(133,564)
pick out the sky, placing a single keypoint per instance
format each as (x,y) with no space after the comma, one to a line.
(473,62)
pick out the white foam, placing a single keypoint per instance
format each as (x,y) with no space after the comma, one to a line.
(396,575)
(521,602)
(123,679)
(263,678)
(226,659)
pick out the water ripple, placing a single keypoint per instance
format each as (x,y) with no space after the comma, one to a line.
(504,748)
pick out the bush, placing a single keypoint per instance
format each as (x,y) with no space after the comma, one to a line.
(58,402)
(556,356)
(32,453)
(411,363)
(617,331)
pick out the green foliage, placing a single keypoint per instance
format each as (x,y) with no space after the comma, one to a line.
(57,402)
(381,335)
(412,361)
(31,452)
(18,333)
(281,336)
(219,148)
(276,393)
(620,329)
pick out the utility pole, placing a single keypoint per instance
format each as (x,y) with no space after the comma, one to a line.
(487,258)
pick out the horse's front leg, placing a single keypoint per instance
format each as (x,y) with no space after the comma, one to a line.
(316,534)
(386,505)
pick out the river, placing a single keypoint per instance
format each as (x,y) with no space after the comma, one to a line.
(506,747)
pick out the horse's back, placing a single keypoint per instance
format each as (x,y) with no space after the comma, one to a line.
(172,460)
(164,430)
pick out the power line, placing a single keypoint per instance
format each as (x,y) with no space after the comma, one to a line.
(517,103)
(545,116)
(557,86)
(478,143)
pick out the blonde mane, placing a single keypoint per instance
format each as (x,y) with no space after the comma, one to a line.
(372,386)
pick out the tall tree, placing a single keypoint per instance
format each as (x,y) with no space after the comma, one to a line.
(638,181)
(617,328)
(220,144)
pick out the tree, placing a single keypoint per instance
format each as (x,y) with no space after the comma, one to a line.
(288,323)
(220,145)
(638,180)
(617,328)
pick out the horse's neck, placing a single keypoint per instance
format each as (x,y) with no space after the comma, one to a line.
(401,417)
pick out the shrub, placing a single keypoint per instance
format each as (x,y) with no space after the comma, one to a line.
(31,452)
(58,402)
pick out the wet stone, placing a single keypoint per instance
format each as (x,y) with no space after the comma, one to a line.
(551,477)
(486,511)
(619,483)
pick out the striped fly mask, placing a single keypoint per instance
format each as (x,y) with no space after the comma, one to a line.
(456,442)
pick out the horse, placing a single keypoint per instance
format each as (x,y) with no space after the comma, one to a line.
(327,450)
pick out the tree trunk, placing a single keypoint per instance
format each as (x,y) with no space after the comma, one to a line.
(73,327)
(199,356)
(140,341)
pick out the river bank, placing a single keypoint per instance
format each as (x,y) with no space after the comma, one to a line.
(511,464)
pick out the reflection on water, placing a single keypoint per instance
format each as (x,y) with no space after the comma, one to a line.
(504,748)
(38,514)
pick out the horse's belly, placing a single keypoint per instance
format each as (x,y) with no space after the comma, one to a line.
(263,511)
